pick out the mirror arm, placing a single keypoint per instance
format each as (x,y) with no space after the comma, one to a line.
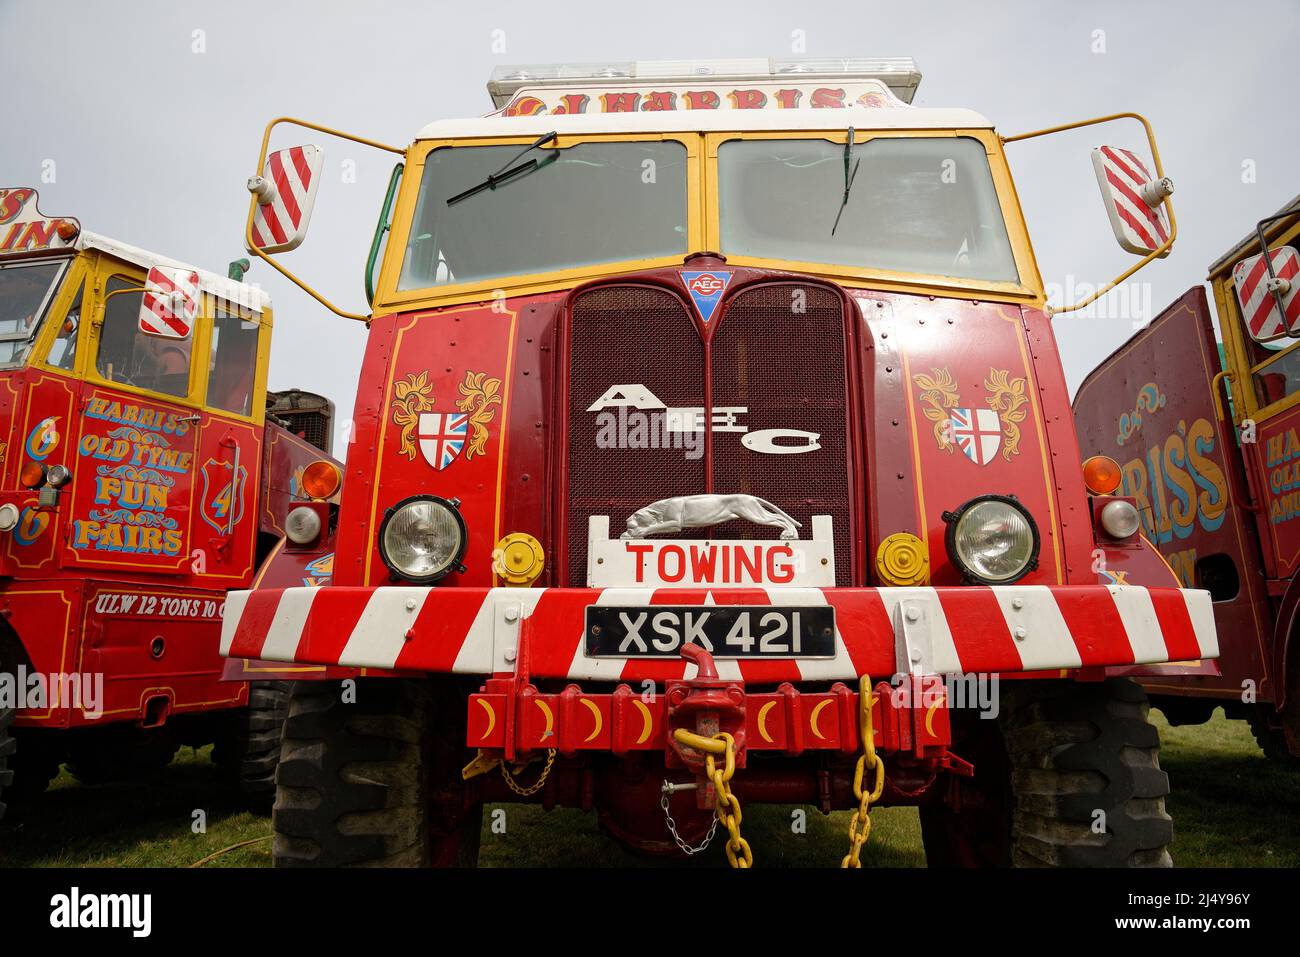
(252,206)
(1160,250)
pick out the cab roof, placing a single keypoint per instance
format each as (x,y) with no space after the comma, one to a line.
(239,293)
(710,121)
(1249,244)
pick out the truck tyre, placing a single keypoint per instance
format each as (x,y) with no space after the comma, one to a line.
(33,761)
(1059,753)
(249,751)
(375,782)
(1270,737)
(7,745)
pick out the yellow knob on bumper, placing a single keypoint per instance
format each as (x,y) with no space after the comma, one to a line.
(518,559)
(902,559)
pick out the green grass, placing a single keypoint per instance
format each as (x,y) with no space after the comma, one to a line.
(141,824)
(1231,808)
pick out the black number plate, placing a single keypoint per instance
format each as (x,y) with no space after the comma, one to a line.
(725,631)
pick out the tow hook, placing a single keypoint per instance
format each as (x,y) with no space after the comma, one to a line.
(706,705)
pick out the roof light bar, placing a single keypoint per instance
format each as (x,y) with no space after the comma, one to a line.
(898,73)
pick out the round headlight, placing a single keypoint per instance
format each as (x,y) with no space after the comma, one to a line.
(992,540)
(302,525)
(422,538)
(9,516)
(1119,519)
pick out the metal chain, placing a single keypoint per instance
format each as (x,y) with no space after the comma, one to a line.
(672,829)
(537,785)
(725,803)
(860,823)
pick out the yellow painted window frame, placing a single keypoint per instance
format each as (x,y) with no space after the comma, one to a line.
(1029,289)
(1236,341)
(106,268)
(264,319)
(389,299)
(79,271)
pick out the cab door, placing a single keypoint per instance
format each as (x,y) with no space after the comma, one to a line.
(1151,407)
(130,498)
(234,341)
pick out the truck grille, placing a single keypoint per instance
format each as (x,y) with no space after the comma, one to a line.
(787,368)
(778,350)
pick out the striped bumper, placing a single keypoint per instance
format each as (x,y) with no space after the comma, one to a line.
(879,631)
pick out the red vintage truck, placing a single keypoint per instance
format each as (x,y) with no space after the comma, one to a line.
(712,446)
(1205,431)
(144,472)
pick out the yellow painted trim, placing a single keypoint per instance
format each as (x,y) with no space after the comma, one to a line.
(78,274)
(1178,582)
(915,439)
(886,281)
(108,268)
(379,458)
(388,298)
(703,231)
(266,563)
(283,669)
(501,437)
(1049,480)
(1236,342)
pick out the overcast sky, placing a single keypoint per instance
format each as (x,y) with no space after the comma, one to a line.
(149,114)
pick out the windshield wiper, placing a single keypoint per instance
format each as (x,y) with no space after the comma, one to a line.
(510,170)
(848,178)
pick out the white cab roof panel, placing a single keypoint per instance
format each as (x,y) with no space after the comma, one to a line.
(239,293)
(709,121)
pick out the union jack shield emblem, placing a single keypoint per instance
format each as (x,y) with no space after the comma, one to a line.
(442,437)
(978,433)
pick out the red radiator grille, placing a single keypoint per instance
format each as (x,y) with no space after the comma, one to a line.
(621,335)
(778,350)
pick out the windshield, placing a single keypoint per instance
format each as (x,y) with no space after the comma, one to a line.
(915,205)
(583,205)
(25,293)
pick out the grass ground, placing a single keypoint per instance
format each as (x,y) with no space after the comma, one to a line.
(1231,808)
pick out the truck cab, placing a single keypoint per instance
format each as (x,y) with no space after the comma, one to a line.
(1202,416)
(706,416)
(140,480)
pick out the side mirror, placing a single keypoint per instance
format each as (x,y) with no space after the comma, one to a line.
(1135,201)
(170,302)
(283,197)
(1260,293)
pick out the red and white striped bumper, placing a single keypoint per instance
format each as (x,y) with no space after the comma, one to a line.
(879,631)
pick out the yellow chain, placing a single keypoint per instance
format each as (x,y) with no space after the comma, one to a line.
(537,785)
(860,823)
(726,805)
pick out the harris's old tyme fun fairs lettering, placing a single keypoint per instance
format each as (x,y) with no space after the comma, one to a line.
(1282,457)
(136,468)
(1176,480)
